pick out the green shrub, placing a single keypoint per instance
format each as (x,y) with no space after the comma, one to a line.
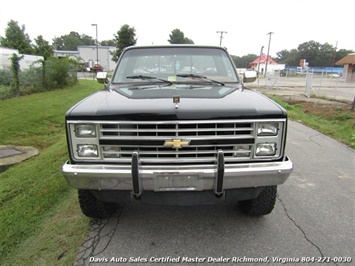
(5,77)
(59,73)
(31,80)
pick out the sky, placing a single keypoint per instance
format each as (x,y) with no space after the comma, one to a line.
(246,22)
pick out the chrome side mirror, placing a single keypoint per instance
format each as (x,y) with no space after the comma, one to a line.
(250,76)
(102,78)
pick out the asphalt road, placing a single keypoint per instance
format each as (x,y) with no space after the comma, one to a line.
(313,219)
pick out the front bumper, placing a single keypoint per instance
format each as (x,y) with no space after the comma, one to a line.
(137,178)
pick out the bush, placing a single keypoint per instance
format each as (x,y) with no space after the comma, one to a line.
(5,77)
(31,80)
(60,73)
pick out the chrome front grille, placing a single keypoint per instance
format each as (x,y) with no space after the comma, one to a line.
(118,140)
(175,129)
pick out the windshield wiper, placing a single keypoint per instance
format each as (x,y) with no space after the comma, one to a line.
(200,77)
(150,78)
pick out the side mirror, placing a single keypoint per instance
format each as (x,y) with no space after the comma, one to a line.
(102,78)
(250,76)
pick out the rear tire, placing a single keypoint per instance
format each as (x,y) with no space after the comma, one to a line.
(262,205)
(94,208)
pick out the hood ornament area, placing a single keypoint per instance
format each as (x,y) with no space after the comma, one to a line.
(176,100)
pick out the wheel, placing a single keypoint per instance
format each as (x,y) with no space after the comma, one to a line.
(262,205)
(94,208)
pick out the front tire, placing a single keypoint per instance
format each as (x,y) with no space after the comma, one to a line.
(94,208)
(262,205)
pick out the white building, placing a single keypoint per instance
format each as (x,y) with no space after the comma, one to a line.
(69,54)
(25,62)
(260,64)
(84,54)
(89,53)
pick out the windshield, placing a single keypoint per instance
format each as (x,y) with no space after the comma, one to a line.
(178,65)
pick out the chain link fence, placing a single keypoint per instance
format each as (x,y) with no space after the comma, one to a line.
(323,85)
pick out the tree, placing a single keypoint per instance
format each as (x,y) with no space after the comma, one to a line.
(243,62)
(71,41)
(188,41)
(108,43)
(42,48)
(342,53)
(125,37)
(16,38)
(178,37)
(290,58)
(316,54)
(15,70)
(309,51)
(87,40)
(326,55)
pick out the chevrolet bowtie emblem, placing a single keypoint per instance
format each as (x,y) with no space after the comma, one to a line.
(176,143)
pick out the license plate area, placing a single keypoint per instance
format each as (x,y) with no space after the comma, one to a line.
(176,183)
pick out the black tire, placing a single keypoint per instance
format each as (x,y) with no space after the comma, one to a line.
(262,205)
(94,208)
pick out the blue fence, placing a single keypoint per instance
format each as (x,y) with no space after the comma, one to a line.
(329,70)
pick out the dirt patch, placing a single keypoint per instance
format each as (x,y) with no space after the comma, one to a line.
(322,107)
(331,110)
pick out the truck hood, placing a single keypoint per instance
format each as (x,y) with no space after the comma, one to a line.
(239,103)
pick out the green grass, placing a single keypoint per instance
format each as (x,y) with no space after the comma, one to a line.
(38,119)
(40,223)
(340,126)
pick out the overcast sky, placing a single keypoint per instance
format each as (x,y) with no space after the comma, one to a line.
(246,22)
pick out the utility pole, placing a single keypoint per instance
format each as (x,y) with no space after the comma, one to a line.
(97,46)
(261,53)
(268,50)
(334,55)
(221,32)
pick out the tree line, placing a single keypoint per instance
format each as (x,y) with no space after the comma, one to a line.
(16,38)
(54,72)
(315,53)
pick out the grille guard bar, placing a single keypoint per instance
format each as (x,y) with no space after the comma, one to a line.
(138,178)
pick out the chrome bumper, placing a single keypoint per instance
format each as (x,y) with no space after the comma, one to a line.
(138,178)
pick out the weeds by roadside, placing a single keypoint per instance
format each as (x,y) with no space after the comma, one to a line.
(335,120)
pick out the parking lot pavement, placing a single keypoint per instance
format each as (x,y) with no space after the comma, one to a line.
(313,219)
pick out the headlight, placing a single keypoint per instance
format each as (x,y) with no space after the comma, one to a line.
(85,131)
(268,129)
(265,149)
(88,150)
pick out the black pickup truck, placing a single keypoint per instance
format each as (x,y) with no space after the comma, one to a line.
(176,126)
